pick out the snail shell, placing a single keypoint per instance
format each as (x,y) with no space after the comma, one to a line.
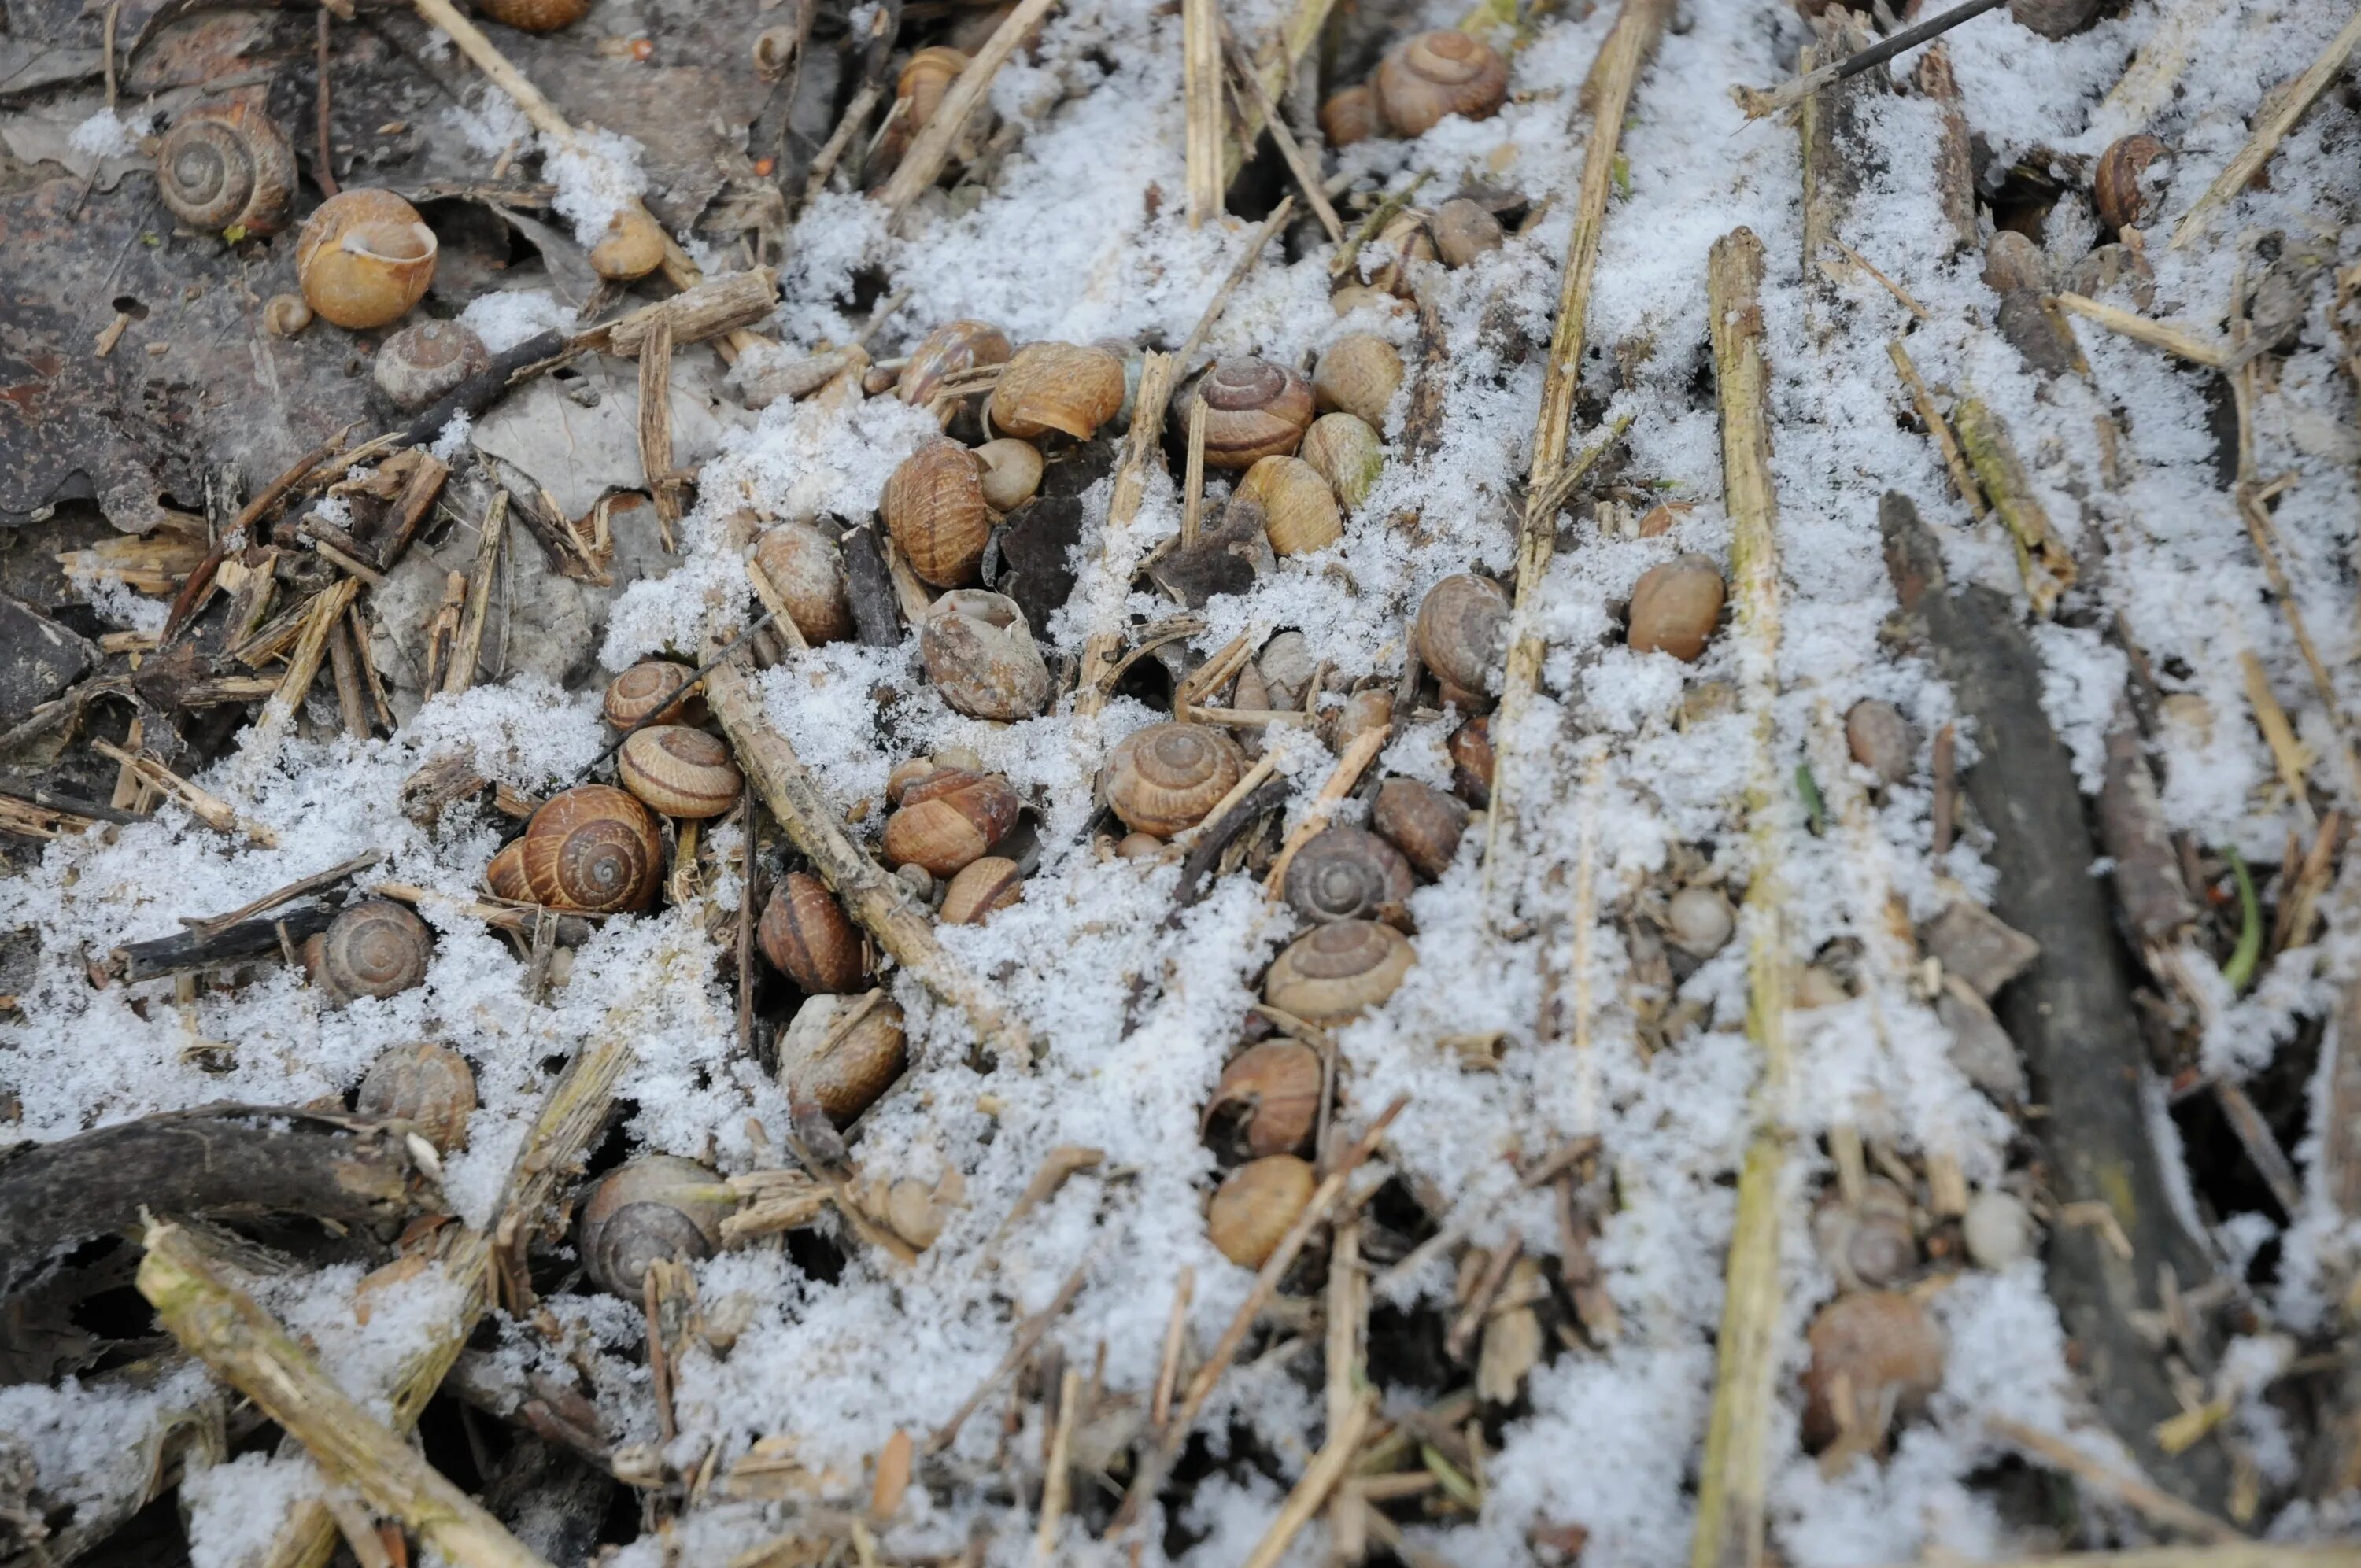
(657,1206)
(423,361)
(1870,1244)
(1470,746)
(633,246)
(842,1052)
(980,887)
(1165,778)
(1881,740)
(1421,822)
(1872,1352)
(535,15)
(1254,409)
(1139,847)
(2055,18)
(1997,1228)
(918,93)
(1699,921)
(934,509)
(950,820)
(980,655)
(1675,607)
(1462,635)
(2012,261)
(681,772)
(286,314)
(951,347)
(364,257)
(1057,386)
(505,876)
(1348,873)
(1464,230)
(1256,1206)
(1344,450)
(594,849)
(1350,116)
(644,688)
(376,948)
(1287,667)
(2119,187)
(1424,79)
(426,1083)
(1358,376)
(807,937)
(227,166)
(1012,472)
(1339,970)
(1300,511)
(807,567)
(1278,1084)
(904,775)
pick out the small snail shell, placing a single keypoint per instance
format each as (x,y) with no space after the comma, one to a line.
(1462,636)
(364,257)
(505,876)
(647,686)
(1699,921)
(918,879)
(934,509)
(948,349)
(1470,746)
(1139,847)
(227,166)
(595,849)
(633,246)
(904,775)
(377,947)
(1421,822)
(1344,450)
(1348,873)
(918,93)
(1426,78)
(1358,376)
(1881,740)
(1299,510)
(1463,231)
(1165,778)
(423,361)
(1364,711)
(1353,296)
(1277,1085)
(1012,472)
(1870,1244)
(1872,1352)
(980,655)
(535,15)
(1997,1228)
(286,314)
(426,1083)
(959,757)
(1350,116)
(1407,241)
(950,820)
(807,567)
(1287,667)
(1254,409)
(980,887)
(1057,386)
(2055,18)
(681,772)
(842,1052)
(1256,1206)
(807,937)
(1339,970)
(1675,607)
(2012,261)
(2119,186)
(775,53)
(658,1206)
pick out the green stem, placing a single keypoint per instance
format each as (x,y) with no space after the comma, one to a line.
(2240,970)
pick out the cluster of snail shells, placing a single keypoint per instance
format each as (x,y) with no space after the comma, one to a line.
(376,948)
(1421,81)
(949,818)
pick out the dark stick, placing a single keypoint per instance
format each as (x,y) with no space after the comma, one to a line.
(214,925)
(535,357)
(869,584)
(1758,104)
(242,943)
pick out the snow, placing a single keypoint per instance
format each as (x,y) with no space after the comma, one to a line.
(108,135)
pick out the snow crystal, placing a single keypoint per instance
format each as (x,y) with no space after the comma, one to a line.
(106,135)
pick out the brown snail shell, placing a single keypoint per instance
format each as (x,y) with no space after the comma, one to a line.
(225,166)
(1470,746)
(980,655)
(505,876)
(1358,376)
(1675,607)
(1421,822)
(633,246)
(1349,874)
(1012,472)
(1881,740)
(1870,1244)
(364,257)
(2012,261)
(980,887)
(934,509)
(1462,634)
(1426,78)
(2118,186)
(2055,18)
(842,1052)
(681,772)
(1349,115)
(951,347)
(1278,1084)
(1057,386)
(658,1206)
(1344,450)
(535,15)
(593,848)
(1464,230)
(904,775)
(285,316)
(1254,409)
(648,686)
(426,1083)
(1256,1206)
(1873,1352)
(376,948)
(918,92)
(1165,778)
(426,360)
(1337,971)
(1300,511)
(808,937)
(950,820)
(1372,708)
(807,567)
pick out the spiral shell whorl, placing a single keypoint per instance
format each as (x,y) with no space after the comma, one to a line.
(375,948)
(1348,873)
(595,849)
(1254,409)
(1165,778)
(227,166)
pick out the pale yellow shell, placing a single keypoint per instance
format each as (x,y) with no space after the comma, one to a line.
(841,1062)
(365,257)
(993,883)
(807,567)
(1300,511)
(1256,1205)
(634,247)
(1344,450)
(1012,472)
(1339,970)
(1358,375)
(1057,387)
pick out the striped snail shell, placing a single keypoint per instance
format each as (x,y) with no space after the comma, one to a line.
(934,509)
(227,166)
(949,819)
(1256,1205)
(593,848)
(842,1052)
(806,569)
(1300,511)
(979,887)
(951,348)
(1057,386)
(1339,970)
(1462,635)
(1434,75)
(647,686)
(1165,778)
(376,948)
(657,1206)
(1348,873)
(505,876)
(535,15)
(426,1083)
(681,772)
(980,655)
(807,938)
(1277,1087)
(1254,409)
(1421,822)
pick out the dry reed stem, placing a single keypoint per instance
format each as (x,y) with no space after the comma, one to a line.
(1319,1479)
(2141,329)
(1275,65)
(932,148)
(1940,428)
(2299,97)
(1193,489)
(1347,1307)
(262,742)
(1156,373)
(1358,755)
(1176,1333)
(203,804)
(2160,1508)
(469,646)
(2288,754)
(2042,559)
(1201,97)
(2147,86)
(1056,1485)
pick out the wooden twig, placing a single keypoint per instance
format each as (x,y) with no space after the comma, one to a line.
(1347,1307)
(302,666)
(1201,96)
(1275,67)
(1176,1333)
(469,648)
(2147,86)
(1305,170)
(2042,558)
(1938,428)
(2298,98)
(932,148)
(1758,102)
(2160,1507)
(1319,1479)
(301,887)
(203,804)
(1057,1485)
(1142,451)
(1192,484)
(2155,334)
(1279,218)
(656,428)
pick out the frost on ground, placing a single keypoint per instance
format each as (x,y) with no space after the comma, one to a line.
(1505,1049)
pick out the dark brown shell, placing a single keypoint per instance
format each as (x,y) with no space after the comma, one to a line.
(1277,1086)
(426,1083)
(535,15)
(1256,1205)
(950,820)
(1349,874)
(1254,409)
(979,887)
(1336,971)
(646,686)
(680,772)
(1421,822)
(1437,74)
(1675,607)
(2117,187)
(595,849)
(842,1052)
(1165,778)
(227,166)
(807,937)
(376,948)
(1462,636)
(934,507)
(979,655)
(657,1206)
(948,349)
(1470,746)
